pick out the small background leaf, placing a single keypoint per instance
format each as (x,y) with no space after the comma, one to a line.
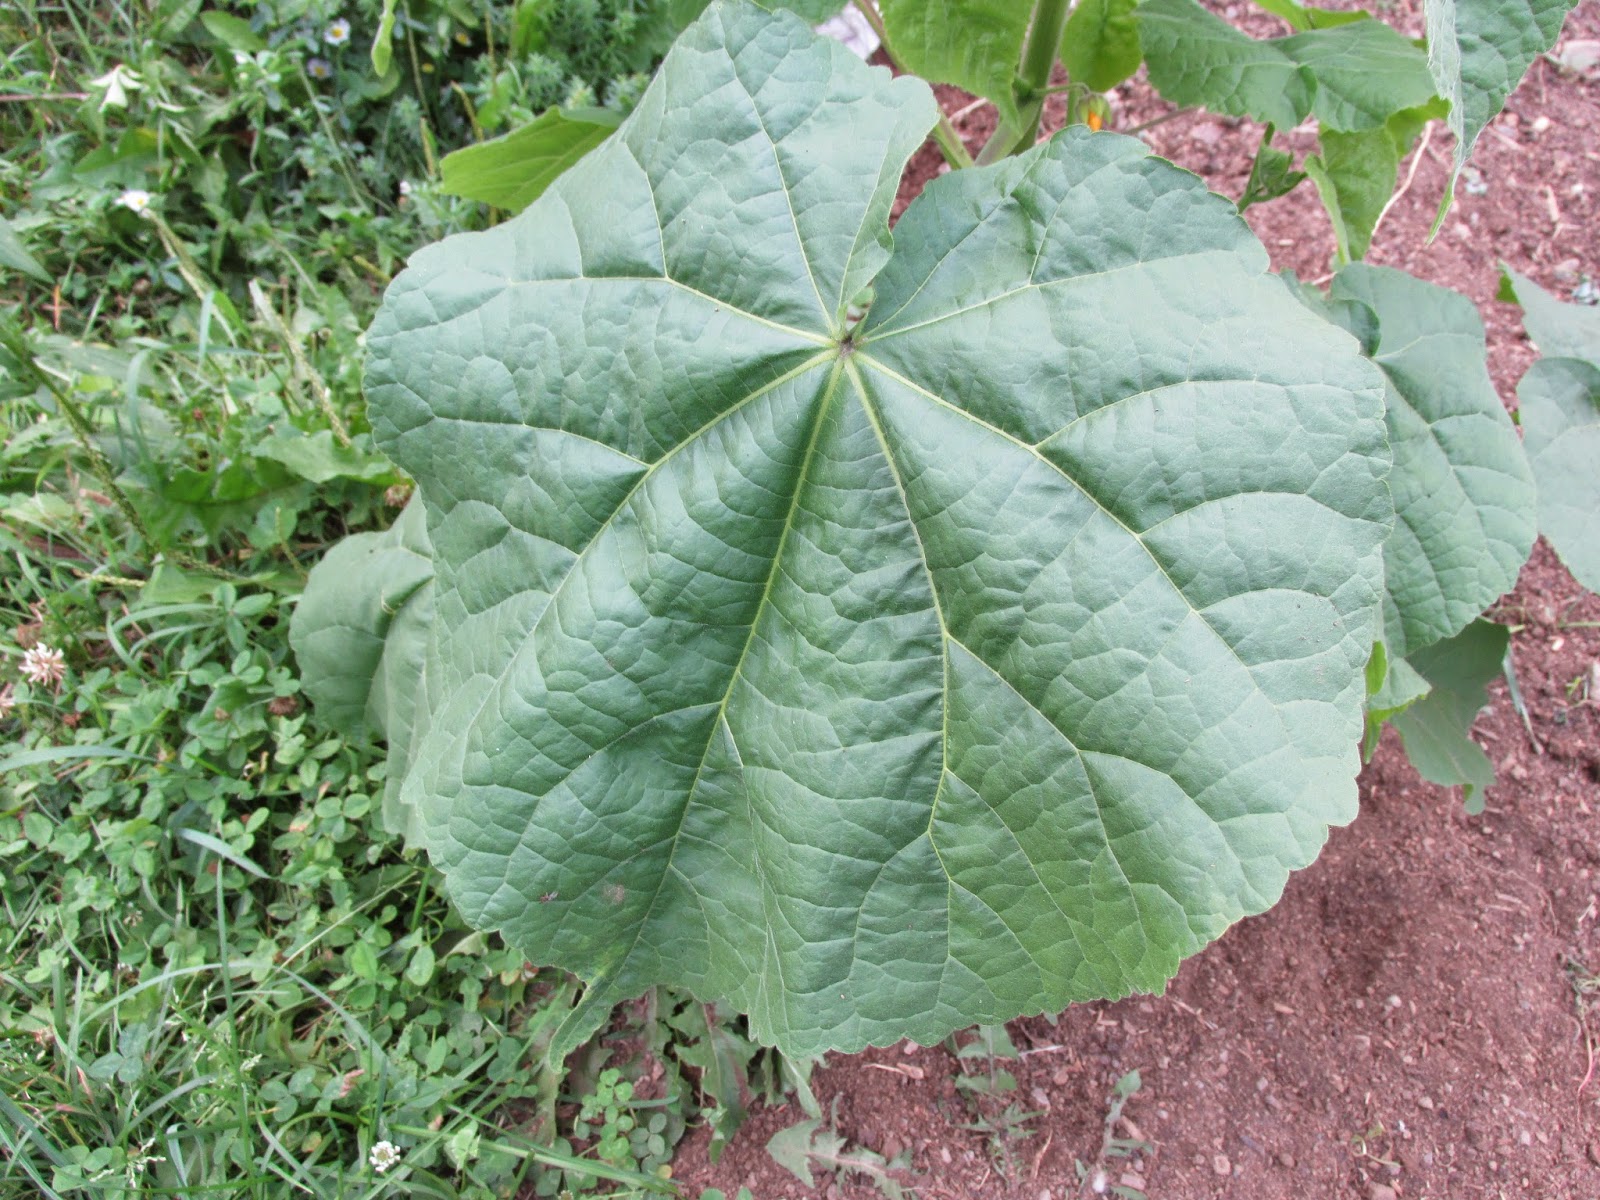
(974,44)
(14,255)
(512,171)
(1435,729)
(1100,44)
(1351,77)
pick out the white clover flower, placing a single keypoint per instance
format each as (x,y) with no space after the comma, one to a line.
(135,200)
(337,34)
(44,666)
(384,1155)
(319,68)
(405,187)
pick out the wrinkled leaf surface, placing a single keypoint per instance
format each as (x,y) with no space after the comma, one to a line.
(991,654)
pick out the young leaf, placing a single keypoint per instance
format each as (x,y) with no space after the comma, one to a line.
(800,1146)
(1271,175)
(1435,728)
(1350,77)
(974,44)
(1479,50)
(1355,174)
(1392,687)
(383,40)
(991,654)
(511,171)
(1100,45)
(1463,492)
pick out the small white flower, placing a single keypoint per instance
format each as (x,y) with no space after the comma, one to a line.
(384,1155)
(44,666)
(338,34)
(405,187)
(116,84)
(135,200)
(319,68)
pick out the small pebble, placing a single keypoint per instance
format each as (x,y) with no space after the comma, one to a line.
(1221,1165)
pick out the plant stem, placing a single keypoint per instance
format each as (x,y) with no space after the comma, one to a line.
(1038,57)
(1033,83)
(1161,120)
(950,144)
(944,133)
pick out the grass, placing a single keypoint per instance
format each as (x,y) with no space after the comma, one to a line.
(219,974)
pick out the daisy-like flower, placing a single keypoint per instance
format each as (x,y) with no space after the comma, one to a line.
(319,68)
(337,34)
(384,1155)
(44,666)
(135,200)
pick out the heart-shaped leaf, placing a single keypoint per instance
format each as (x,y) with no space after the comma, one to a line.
(991,653)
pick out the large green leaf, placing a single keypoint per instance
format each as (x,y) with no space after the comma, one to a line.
(1350,77)
(1463,492)
(1560,408)
(989,655)
(974,44)
(510,172)
(1478,51)
(1436,728)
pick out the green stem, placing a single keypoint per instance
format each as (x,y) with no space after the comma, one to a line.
(944,133)
(950,144)
(1043,44)
(1038,57)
